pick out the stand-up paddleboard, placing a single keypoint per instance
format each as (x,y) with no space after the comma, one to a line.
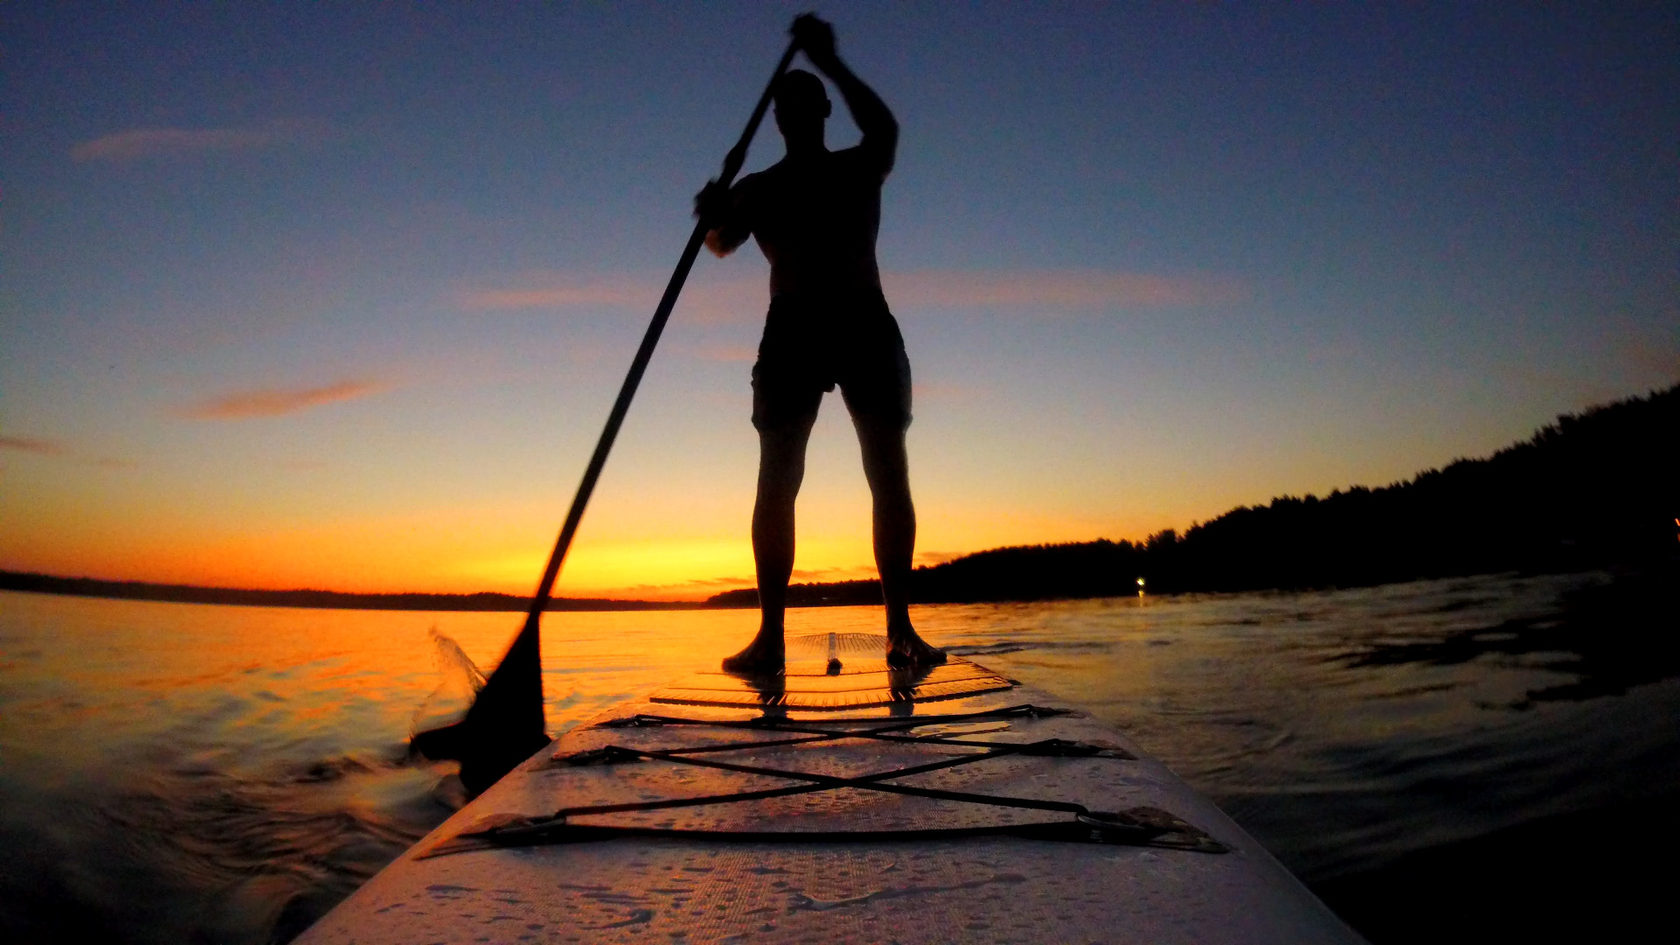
(840,802)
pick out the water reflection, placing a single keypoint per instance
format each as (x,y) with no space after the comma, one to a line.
(1608,636)
(179,772)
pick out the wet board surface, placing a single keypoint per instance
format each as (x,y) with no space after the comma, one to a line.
(831,672)
(849,803)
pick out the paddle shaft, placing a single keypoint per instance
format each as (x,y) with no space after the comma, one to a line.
(731,166)
(506,722)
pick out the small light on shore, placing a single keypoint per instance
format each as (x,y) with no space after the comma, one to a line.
(1140,587)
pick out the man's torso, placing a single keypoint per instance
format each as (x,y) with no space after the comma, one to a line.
(815,218)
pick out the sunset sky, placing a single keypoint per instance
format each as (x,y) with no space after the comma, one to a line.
(338,295)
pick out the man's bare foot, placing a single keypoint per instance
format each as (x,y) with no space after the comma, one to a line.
(765,655)
(908,650)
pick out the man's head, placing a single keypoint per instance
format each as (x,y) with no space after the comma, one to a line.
(802,104)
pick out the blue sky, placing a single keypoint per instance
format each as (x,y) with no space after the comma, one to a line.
(339,294)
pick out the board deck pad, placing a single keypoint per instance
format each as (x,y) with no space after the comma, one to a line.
(834,671)
(996,817)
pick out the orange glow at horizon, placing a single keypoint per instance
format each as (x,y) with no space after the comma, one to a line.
(474,550)
(650,536)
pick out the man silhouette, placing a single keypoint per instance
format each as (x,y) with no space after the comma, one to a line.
(815,214)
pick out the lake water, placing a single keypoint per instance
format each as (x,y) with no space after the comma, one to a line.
(195,773)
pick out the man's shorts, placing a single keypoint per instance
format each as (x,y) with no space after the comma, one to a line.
(812,345)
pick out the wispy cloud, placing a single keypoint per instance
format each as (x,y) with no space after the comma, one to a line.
(36,445)
(1038,289)
(552,292)
(273,402)
(947,393)
(826,575)
(726,582)
(709,300)
(728,354)
(722,300)
(683,590)
(137,144)
(56,449)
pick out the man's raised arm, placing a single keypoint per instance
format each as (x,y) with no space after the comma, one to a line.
(874,119)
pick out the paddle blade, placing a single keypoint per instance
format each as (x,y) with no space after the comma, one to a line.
(505,724)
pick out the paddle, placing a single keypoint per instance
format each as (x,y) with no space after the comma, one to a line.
(505,723)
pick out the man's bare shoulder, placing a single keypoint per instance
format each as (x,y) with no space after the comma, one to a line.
(865,160)
(860,160)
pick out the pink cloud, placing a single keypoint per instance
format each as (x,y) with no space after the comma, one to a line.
(740,300)
(556,292)
(706,299)
(242,405)
(1054,289)
(41,446)
(728,354)
(36,445)
(138,144)
(946,393)
(714,299)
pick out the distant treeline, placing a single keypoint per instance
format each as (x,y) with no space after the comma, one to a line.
(186,593)
(1590,490)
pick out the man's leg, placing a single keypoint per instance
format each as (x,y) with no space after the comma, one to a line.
(886,465)
(781,468)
